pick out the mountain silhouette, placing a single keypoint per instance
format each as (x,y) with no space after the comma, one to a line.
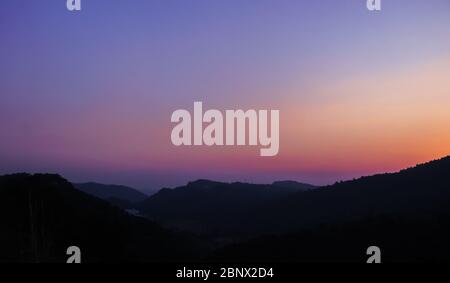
(210,207)
(419,191)
(241,210)
(406,214)
(121,196)
(292,186)
(400,239)
(42,215)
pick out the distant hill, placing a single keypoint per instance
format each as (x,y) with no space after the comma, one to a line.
(213,207)
(121,196)
(42,215)
(293,186)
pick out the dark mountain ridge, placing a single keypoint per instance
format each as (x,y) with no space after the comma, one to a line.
(238,209)
(406,213)
(210,207)
(42,215)
(293,186)
(419,191)
(111,192)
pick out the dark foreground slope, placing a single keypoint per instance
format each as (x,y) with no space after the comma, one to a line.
(42,215)
(406,214)
(401,239)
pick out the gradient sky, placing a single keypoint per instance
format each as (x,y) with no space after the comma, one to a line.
(89,95)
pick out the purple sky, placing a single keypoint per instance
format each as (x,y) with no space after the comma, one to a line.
(89,95)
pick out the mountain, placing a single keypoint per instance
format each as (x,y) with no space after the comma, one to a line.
(239,210)
(42,215)
(120,196)
(292,186)
(405,214)
(400,239)
(212,208)
(415,192)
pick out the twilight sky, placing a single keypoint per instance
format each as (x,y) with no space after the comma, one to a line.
(89,95)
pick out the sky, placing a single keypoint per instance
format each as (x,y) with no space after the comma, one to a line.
(89,94)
